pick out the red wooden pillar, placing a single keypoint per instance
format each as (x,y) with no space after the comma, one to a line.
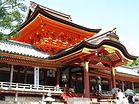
(86,80)
(113,78)
(57,76)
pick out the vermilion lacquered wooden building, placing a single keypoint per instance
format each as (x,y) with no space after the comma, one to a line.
(52,51)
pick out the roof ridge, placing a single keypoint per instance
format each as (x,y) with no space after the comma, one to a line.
(16,43)
(21,49)
(24,44)
(50,10)
(38,10)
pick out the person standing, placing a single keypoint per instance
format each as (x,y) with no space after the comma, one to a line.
(130,99)
(120,97)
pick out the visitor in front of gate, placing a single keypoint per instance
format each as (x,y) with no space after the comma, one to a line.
(120,97)
(130,99)
(125,100)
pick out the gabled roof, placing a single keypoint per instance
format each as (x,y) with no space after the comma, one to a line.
(130,71)
(55,13)
(57,16)
(51,31)
(86,44)
(21,49)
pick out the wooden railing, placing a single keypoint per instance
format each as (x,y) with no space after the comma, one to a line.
(30,87)
(103,94)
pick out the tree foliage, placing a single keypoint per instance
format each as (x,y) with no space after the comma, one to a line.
(134,63)
(11,15)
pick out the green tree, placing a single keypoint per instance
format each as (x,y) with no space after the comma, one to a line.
(134,63)
(11,16)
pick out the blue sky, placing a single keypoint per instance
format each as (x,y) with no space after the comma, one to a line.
(104,14)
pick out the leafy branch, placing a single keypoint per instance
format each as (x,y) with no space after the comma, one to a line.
(11,14)
(134,63)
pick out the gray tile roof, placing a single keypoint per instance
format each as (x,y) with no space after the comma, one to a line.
(24,49)
(127,70)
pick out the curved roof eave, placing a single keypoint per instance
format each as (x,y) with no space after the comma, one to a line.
(85,44)
(39,10)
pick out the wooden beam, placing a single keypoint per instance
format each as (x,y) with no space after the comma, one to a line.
(99,67)
(28,63)
(126,77)
(100,74)
(10,55)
